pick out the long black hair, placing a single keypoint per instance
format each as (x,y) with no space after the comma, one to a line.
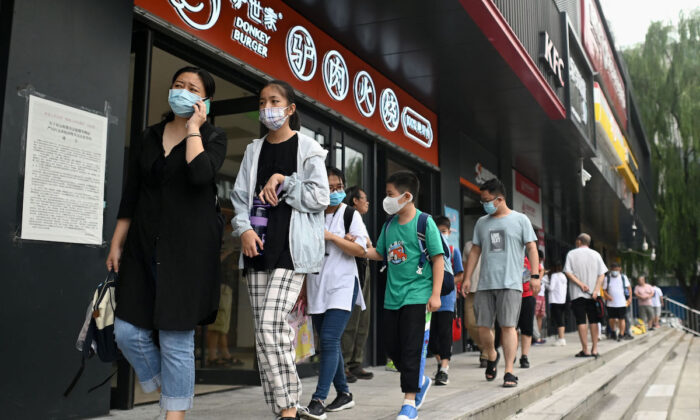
(288,92)
(207,81)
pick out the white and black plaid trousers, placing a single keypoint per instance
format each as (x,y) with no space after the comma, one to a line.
(272,296)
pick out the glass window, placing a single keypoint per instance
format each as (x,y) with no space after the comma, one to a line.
(354,167)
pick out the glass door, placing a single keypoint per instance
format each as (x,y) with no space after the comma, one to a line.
(225,353)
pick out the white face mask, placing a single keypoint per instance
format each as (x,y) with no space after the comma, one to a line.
(274,117)
(392,206)
(615,273)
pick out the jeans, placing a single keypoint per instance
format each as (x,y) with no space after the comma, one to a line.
(171,367)
(330,326)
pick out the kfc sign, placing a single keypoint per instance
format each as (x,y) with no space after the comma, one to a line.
(273,38)
(598,48)
(550,55)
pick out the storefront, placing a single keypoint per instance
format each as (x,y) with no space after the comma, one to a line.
(511,87)
(369,125)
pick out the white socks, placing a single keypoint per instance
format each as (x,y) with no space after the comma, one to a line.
(412,403)
(444,369)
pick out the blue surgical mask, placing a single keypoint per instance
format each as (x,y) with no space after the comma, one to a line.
(182,102)
(489,207)
(337,197)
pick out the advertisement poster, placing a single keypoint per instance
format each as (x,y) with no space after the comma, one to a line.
(64,174)
(453,215)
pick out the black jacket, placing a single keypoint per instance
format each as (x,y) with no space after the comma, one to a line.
(169,273)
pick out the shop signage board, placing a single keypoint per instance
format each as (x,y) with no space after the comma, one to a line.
(527,199)
(64,173)
(613,142)
(276,40)
(599,50)
(550,55)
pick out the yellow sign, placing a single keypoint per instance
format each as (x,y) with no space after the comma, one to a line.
(612,141)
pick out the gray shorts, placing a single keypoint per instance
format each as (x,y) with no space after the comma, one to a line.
(657,311)
(497,304)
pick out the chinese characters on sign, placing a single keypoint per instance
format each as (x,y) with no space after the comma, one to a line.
(262,33)
(335,75)
(301,53)
(389,109)
(64,174)
(365,94)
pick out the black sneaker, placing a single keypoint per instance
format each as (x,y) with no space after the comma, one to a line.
(314,411)
(441,378)
(628,337)
(342,402)
(360,373)
(350,377)
(524,362)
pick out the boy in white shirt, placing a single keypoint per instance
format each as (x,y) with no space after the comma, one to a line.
(619,296)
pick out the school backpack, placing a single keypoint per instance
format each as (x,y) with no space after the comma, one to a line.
(448,280)
(97,334)
(359,261)
(623,278)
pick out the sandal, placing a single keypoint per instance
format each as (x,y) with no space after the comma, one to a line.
(582,354)
(594,355)
(510,380)
(491,367)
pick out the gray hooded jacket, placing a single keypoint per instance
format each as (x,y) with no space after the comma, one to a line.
(307,193)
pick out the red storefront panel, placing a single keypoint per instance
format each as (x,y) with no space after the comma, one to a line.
(275,39)
(598,48)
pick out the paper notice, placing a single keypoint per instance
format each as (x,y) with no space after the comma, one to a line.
(64,174)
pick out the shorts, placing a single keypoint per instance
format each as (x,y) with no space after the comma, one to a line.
(497,304)
(583,307)
(617,313)
(557,314)
(527,315)
(657,311)
(222,324)
(540,307)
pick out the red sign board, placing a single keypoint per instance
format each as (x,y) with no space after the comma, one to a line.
(597,45)
(527,188)
(273,38)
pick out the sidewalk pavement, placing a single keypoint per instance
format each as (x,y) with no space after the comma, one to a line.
(381,398)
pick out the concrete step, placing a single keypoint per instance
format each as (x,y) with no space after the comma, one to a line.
(686,400)
(648,386)
(483,400)
(468,395)
(583,392)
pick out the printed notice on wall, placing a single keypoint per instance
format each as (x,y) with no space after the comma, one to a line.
(64,174)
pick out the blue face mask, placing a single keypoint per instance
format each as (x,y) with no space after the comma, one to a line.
(489,207)
(337,197)
(182,102)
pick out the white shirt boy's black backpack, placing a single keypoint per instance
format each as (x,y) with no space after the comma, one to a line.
(97,334)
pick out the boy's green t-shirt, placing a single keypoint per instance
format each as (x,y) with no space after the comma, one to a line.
(400,244)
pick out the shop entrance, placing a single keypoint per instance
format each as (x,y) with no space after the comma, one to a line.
(225,350)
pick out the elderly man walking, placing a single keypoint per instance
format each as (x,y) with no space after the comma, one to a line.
(585,270)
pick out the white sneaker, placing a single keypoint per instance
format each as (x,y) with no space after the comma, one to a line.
(560,342)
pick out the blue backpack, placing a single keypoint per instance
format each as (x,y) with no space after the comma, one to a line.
(448,280)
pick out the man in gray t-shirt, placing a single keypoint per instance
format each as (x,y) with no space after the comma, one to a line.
(500,239)
(585,269)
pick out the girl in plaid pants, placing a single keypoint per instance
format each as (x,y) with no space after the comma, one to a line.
(285,171)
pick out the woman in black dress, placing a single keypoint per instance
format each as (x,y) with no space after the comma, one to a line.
(167,241)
